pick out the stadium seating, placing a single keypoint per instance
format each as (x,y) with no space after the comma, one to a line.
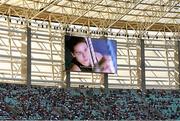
(17,102)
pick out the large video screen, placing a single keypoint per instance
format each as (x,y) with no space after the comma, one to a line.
(85,54)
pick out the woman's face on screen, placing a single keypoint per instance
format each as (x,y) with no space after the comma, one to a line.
(82,54)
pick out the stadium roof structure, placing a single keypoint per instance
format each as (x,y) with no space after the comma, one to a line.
(40,26)
(158,15)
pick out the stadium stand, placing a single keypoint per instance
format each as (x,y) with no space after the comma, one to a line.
(45,103)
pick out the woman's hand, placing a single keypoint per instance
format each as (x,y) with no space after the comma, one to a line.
(106,64)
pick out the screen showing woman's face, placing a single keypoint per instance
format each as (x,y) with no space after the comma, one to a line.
(82,53)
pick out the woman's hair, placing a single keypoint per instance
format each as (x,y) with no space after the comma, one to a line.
(73,41)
